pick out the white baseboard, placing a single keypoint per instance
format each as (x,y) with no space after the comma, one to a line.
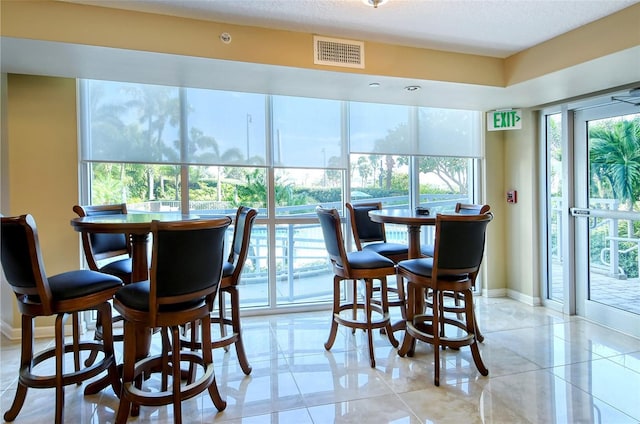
(15,333)
(494,293)
(529,300)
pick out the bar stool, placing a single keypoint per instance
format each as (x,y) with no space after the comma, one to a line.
(356,266)
(459,248)
(372,236)
(61,295)
(186,268)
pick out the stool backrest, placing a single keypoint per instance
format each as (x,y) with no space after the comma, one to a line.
(332,234)
(243,225)
(22,263)
(363,228)
(100,246)
(186,262)
(459,243)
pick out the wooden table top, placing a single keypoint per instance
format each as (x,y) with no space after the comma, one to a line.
(402,216)
(128,223)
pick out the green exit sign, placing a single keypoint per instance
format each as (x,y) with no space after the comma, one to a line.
(500,120)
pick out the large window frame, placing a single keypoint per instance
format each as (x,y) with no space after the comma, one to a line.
(328,156)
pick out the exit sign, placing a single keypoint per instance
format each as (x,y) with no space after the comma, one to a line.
(500,120)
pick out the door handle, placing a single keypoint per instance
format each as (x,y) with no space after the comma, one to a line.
(580,212)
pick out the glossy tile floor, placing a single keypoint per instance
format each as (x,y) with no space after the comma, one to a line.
(543,368)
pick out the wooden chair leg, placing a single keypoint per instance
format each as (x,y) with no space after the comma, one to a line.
(129,359)
(235,320)
(59,355)
(207,356)
(401,296)
(221,314)
(408,342)
(176,374)
(436,336)
(75,325)
(384,303)
(471,328)
(368,314)
(354,314)
(336,310)
(107,342)
(166,351)
(26,358)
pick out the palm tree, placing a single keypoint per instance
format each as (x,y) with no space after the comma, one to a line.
(614,156)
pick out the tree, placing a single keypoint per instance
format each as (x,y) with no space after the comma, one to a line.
(364,169)
(614,156)
(452,171)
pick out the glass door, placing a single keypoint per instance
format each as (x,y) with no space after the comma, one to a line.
(607,215)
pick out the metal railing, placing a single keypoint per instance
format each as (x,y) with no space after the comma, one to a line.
(299,248)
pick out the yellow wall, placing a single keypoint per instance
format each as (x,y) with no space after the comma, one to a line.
(521,173)
(41,155)
(494,275)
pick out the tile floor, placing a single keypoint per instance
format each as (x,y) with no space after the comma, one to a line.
(543,368)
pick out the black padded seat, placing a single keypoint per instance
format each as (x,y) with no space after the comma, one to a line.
(387,249)
(424,267)
(80,283)
(119,267)
(368,260)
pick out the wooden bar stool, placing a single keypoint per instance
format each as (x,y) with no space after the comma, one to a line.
(61,295)
(459,248)
(356,266)
(186,268)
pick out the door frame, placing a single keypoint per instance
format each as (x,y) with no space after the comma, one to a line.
(575,200)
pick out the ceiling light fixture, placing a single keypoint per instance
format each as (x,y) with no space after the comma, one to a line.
(374,3)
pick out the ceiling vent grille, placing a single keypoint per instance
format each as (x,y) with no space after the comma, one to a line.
(336,52)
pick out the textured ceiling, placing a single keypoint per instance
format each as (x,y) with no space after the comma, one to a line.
(496,28)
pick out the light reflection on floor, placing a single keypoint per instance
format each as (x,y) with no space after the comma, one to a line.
(544,367)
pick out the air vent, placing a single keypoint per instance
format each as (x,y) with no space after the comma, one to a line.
(336,52)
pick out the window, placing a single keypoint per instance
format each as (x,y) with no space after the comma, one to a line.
(208,151)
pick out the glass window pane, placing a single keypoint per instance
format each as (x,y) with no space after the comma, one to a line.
(131,123)
(307,133)
(555,289)
(299,191)
(143,187)
(221,189)
(304,273)
(449,132)
(444,181)
(380,178)
(379,128)
(225,127)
